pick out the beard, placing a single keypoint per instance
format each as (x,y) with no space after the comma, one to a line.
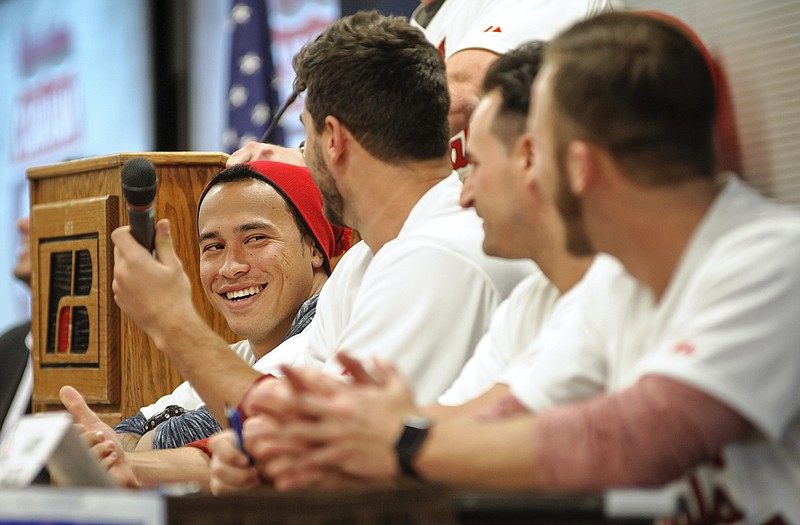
(570,208)
(332,202)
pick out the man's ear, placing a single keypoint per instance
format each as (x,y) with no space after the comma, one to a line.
(317,258)
(523,159)
(336,140)
(523,151)
(581,165)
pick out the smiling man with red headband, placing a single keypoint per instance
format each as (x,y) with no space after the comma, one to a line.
(265,249)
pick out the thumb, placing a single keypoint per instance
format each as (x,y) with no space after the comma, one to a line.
(75,404)
(165,251)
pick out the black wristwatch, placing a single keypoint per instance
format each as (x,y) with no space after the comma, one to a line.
(157,419)
(415,430)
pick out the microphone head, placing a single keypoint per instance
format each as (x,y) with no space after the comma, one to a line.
(139,181)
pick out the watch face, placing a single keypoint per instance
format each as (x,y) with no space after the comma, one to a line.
(420,422)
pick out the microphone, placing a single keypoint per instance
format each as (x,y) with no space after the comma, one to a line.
(139,187)
(273,124)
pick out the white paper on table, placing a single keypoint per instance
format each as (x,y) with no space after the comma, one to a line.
(50,439)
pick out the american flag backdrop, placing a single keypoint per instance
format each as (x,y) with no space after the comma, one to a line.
(252,97)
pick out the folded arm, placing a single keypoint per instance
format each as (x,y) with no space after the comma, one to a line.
(648,434)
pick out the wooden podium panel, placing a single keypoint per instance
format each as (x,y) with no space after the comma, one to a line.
(77,328)
(80,335)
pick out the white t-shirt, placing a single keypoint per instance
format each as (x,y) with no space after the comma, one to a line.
(728,325)
(564,364)
(187,397)
(422,302)
(499,26)
(514,325)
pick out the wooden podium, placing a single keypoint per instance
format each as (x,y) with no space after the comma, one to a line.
(80,337)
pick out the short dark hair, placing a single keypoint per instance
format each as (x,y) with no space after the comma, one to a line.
(512,74)
(638,87)
(383,80)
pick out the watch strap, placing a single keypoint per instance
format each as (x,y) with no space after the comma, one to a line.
(407,446)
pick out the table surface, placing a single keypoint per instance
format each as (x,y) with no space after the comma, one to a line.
(406,502)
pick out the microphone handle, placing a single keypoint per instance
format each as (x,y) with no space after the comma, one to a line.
(143,226)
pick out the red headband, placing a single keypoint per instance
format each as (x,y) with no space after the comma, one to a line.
(296,186)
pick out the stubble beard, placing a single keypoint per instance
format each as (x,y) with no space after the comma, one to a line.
(332,201)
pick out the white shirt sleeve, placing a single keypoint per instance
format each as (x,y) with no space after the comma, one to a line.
(515,324)
(566,363)
(568,359)
(738,337)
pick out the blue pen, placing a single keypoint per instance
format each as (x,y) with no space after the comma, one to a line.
(235,422)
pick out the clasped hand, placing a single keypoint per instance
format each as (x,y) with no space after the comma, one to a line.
(309,429)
